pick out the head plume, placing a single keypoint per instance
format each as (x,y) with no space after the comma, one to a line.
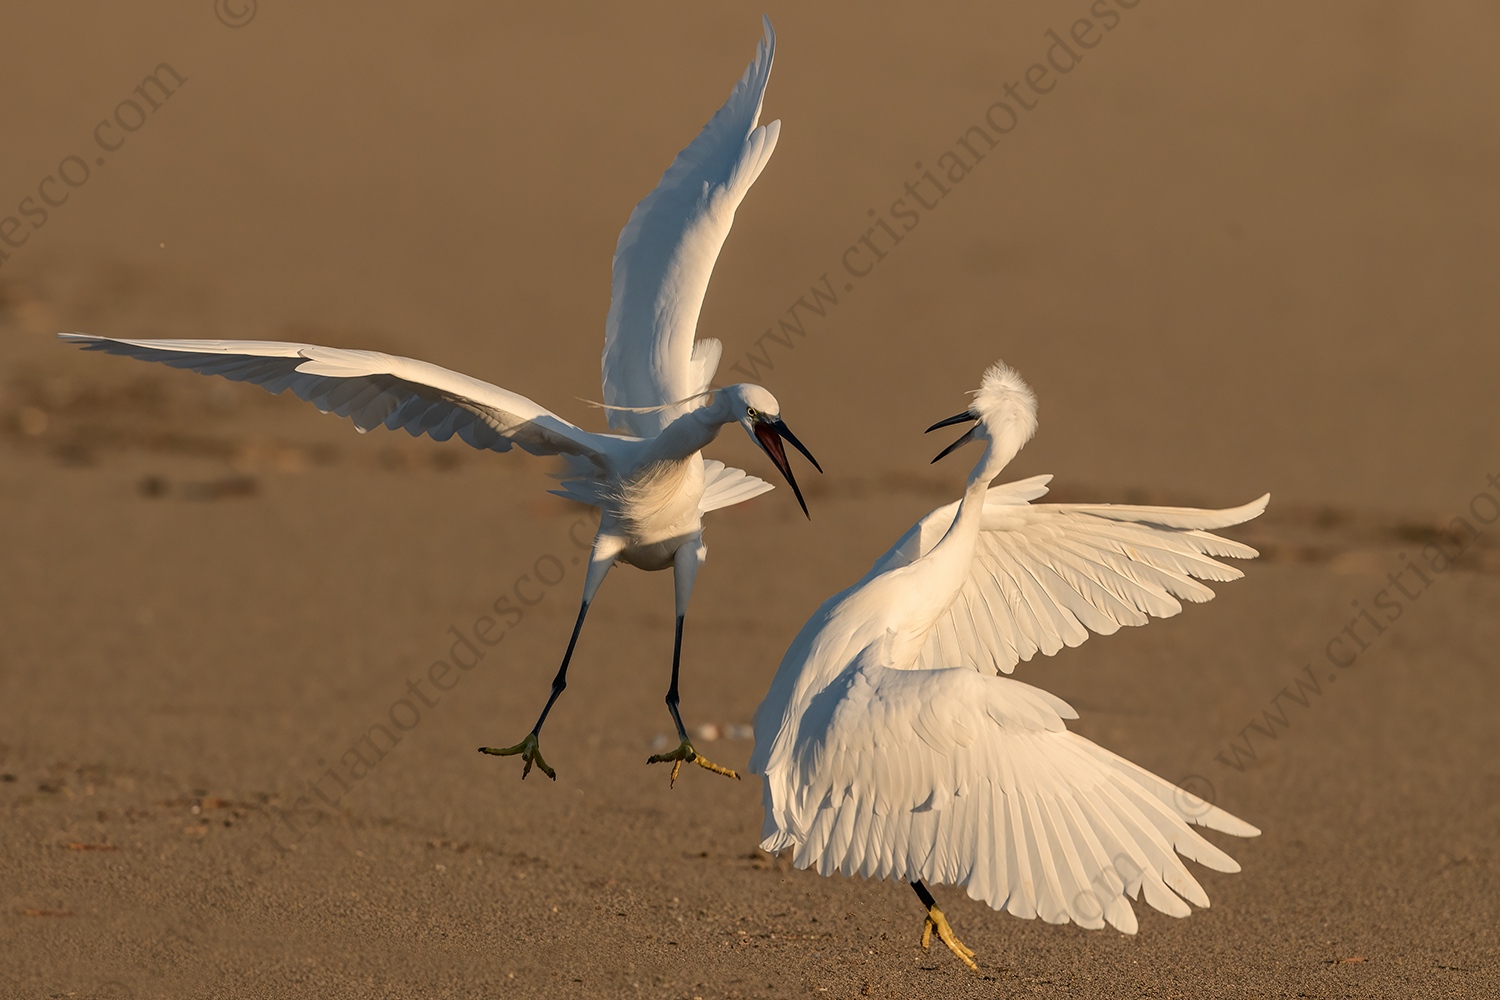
(1005,404)
(1004,412)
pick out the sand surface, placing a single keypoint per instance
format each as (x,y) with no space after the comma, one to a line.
(1236,248)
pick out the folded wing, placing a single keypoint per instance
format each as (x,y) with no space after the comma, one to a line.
(725,486)
(1046,575)
(374,389)
(666,254)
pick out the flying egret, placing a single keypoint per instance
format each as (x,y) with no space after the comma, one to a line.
(892,748)
(651,484)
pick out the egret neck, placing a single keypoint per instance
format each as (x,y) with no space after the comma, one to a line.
(691,432)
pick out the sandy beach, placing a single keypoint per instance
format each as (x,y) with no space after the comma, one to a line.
(1234,250)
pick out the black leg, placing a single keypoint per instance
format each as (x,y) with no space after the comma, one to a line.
(672,699)
(684,753)
(528,748)
(561,680)
(926,897)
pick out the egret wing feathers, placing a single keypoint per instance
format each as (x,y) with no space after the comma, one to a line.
(374,389)
(725,486)
(666,253)
(950,776)
(1046,575)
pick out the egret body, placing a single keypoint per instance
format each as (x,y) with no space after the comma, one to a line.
(892,745)
(650,482)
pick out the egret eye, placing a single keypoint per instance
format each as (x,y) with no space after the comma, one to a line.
(750,412)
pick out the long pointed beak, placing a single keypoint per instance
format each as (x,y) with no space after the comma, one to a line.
(769,435)
(786,432)
(968,436)
(957,418)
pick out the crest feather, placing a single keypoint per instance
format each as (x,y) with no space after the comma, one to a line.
(1004,400)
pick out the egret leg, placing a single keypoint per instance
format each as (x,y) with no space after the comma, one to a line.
(606,547)
(528,748)
(937,922)
(684,570)
(684,754)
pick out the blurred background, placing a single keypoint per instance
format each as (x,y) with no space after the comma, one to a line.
(1235,249)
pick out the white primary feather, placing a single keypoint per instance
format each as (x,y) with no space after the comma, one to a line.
(374,389)
(666,253)
(1045,575)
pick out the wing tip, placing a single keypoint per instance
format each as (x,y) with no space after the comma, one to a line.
(1256,507)
(1242,829)
(1222,821)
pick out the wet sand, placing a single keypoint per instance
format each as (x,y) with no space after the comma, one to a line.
(1233,250)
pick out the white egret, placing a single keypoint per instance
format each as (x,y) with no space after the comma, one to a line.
(651,484)
(892,748)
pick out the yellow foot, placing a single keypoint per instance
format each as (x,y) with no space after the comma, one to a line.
(530,752)
(685,754)
(937,922)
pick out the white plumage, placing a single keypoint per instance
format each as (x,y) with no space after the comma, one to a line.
(651,485)
(666,253)
(892,748)
(1045,575)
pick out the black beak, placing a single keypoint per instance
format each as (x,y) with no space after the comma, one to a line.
(957,418)
(786,433)
(769,435)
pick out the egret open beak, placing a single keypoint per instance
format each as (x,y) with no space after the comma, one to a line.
(957,418)
(769,435)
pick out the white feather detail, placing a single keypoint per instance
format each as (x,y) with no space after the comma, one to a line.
(1046,575)
(665,257)
(723,486)
(374,389)
(1032,818)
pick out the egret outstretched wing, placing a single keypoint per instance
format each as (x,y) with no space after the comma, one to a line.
(954,777)
(373,389)
(1045,575)
(666,253)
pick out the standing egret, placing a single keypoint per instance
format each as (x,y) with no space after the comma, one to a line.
(891,748)
(651,484)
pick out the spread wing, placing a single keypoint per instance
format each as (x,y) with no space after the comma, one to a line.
(666,254)
(1045,575)
(966,779)
(372,389)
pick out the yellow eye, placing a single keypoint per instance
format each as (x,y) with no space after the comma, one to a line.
(750,412)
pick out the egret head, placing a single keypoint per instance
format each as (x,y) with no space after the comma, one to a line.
(759,413)
(1003,411)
